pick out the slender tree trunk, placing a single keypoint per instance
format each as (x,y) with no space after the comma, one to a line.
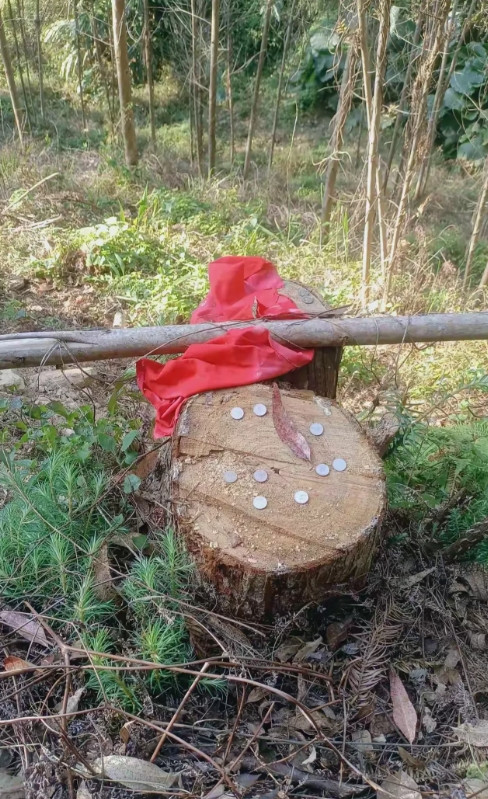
(442,82)
(212,89)
(79,63)
(196,85)
(149,74)
(257,84)
(477,224)
(280,85)
(418,109)
(484,278)
(40,67)
(373,108)
(19,63)
(230,94)
(402,105)
(9,73)
(102,67)
(124,82)
(20,12)
(343,107)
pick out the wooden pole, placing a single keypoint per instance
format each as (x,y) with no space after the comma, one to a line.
(71,346)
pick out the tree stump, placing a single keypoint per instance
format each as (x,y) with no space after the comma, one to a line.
(270,560)
(322,374)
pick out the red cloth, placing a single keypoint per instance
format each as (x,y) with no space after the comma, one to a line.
(240,288)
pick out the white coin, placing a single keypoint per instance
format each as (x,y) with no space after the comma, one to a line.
(339,464)
(237,413)
(322,469)
(316,429)
(260,475)
(301,497)
(260,409)
(260,502)
(230,477)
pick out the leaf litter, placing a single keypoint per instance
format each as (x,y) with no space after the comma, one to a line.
(384,692)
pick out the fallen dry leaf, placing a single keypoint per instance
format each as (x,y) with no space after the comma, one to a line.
(311,758)
(13,663)
(324,719)
(72,703)
(257,694)
(288,649)
(404,714)
(286,428)
(410,760)
(138,775)
(103,586)
(400,786)
(337,633)
(473,734)
(24,625)
(307,649)
(452,658)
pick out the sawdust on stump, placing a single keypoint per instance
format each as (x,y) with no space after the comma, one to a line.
(273,560)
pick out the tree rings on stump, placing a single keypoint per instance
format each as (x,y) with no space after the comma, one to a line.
(270,530)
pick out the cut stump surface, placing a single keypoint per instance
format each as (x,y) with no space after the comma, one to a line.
(275,559)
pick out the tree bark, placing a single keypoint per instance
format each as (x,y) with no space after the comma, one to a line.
(71,346)
(79,63)
(478,221)
(442,83)
(279,90)
(343,108)
(196,85)
(124,82)
(19,64)
(402,105)
(149,73)
(257,84)
(230,93)
(102,68)
(40,67)
(212,89)
(9,73)
(417,121)
(373,106)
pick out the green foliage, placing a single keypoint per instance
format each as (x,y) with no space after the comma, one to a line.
(428,464)
(463,129)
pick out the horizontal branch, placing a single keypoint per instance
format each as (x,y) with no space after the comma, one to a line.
(71,346)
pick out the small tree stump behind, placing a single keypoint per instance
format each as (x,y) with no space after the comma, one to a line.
(271,561)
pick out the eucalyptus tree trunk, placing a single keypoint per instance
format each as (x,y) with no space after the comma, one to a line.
(149,73)
(124,82)
(40,66)
(196,94)
(418,108)
(212,89)
(442,84)
(19,63)
(20,12)
(343,107)
(402,105)
(9,74)
(79,63)
(104,78)
(257,84)
(373,110)
(477,224)
(230,93)
(279,90)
